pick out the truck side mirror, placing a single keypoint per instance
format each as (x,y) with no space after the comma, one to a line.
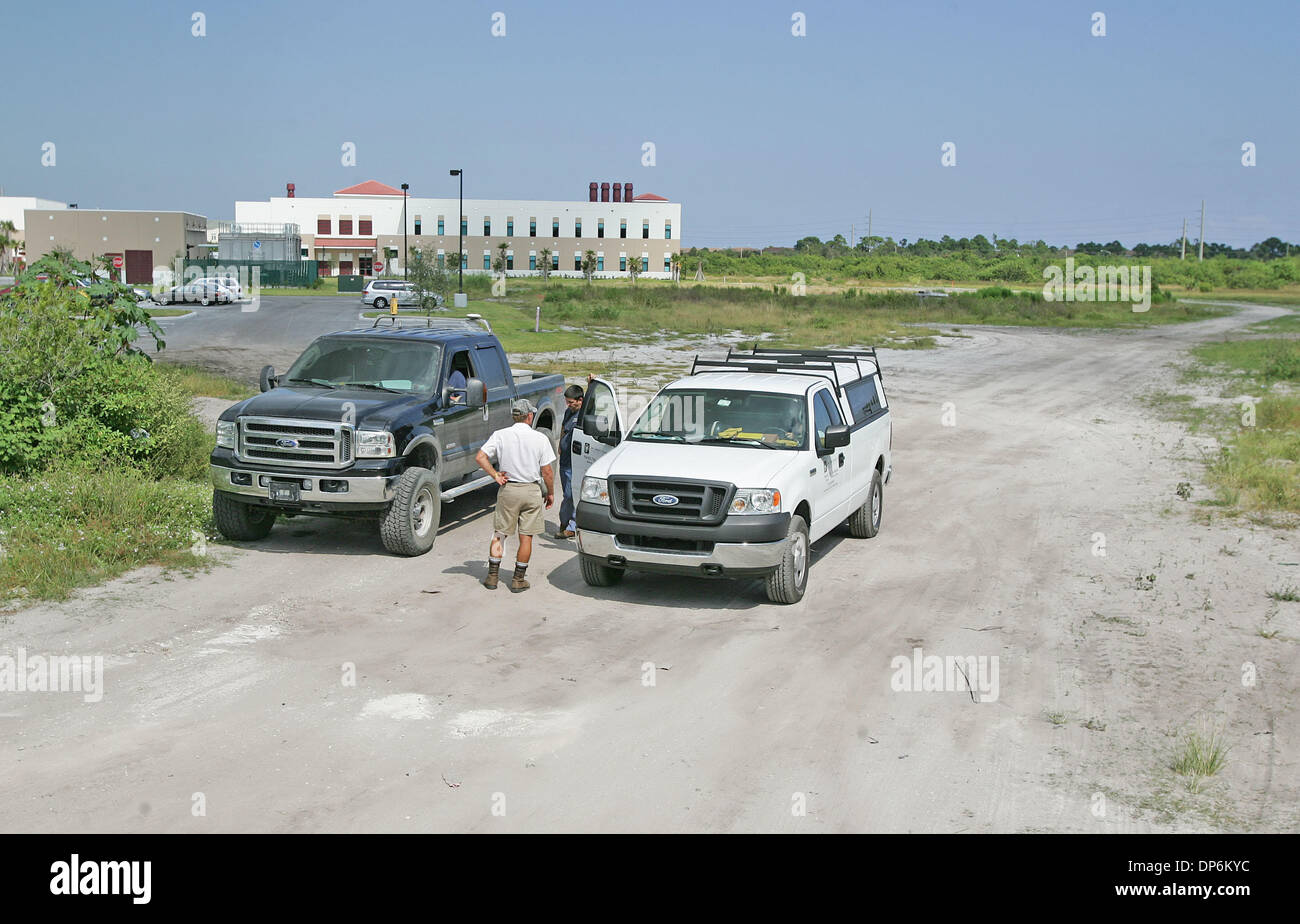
(266,379)
(837,437)
(594,425)
(475,393)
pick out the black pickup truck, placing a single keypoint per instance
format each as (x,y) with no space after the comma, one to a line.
(380,422)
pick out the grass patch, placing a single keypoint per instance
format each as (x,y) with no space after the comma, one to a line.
(1200,756)
(1285,324)
(169,312)
(1266,361)
(200,382)
(1288,594)
(72,528)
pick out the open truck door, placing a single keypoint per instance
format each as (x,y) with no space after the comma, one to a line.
(600,428)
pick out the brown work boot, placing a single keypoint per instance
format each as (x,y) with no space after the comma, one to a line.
(518,584)
(493,575)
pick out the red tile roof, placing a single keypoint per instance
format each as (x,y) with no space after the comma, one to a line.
(369,188)
(648,197)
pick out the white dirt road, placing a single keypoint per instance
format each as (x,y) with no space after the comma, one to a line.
(478,711)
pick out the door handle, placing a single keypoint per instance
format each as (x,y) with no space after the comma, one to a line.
(841,460)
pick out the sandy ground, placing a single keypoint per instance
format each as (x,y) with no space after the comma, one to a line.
(687,705)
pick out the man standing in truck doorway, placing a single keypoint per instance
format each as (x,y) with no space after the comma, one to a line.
(527,488)
(573,405)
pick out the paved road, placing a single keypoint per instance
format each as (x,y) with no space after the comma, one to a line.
(688,705)
(238,340)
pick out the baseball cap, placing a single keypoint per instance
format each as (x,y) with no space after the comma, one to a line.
(522,407)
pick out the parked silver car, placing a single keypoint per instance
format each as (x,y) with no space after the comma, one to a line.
(205,293)
(379,293)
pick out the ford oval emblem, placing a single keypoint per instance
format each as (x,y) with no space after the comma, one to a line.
(287,443)
(665,500)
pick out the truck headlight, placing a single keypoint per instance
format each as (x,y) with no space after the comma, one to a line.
(595,490)
(756,500)
(226,430)
(375,444)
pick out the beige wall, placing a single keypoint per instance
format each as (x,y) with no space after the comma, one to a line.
(91,232)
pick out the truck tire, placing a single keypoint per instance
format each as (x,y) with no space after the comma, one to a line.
(238,521)
(787,583)
(410,524)
(598,574)
(865,521)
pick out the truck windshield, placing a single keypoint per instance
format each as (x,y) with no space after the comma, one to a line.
(715,417)
(410,366)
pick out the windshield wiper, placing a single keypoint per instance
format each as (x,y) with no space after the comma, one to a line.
(748,441)
(371,385)
(657,436)
(321,382)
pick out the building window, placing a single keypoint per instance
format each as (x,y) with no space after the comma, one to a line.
(510,261)
(441,228)
(600,264)
(345,226)
(622,228)
(645,229)
(622,264)
(555,227)
(487,227)
(442,260)
(645,264)
(555,262)
(577,263)
(532,227)
(532,261)
(322,226)
(487,260)
(464,260)
(600,228)
(577,227)
(668,264)
(464,225)
(668,230)
(510,227)
(366,226)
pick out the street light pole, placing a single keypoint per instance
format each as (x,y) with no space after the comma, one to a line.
(460,256)
(406,251)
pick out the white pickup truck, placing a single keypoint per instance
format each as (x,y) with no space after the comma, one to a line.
(734,470)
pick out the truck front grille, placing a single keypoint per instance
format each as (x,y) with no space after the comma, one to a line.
(697,501)
(299,443)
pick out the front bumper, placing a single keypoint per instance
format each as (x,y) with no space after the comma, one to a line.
(739,546)
(348,494)
(728,559)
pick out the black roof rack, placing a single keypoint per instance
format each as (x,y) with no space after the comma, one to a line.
(471,322)
(819,363)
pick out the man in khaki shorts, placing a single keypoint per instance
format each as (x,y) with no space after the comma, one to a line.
(524,458)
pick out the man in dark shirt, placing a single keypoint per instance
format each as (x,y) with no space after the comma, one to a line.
(573,404)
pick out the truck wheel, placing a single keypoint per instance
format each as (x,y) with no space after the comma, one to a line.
(865,521)
(598,574)
(410,524)
(787,583)
(241,522)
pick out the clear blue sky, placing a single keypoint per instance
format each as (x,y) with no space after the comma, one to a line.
(762,136)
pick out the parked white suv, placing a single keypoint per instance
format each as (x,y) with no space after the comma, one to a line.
(379,293)
(735,470)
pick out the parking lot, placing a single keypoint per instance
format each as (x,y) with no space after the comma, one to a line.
(670,704)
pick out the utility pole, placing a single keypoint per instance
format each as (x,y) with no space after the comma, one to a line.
(1201,255)
(1183,256)
(850,237)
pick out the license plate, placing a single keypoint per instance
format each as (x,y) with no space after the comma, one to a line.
(286,491)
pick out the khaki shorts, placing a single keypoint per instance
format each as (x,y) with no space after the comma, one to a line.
(520,506)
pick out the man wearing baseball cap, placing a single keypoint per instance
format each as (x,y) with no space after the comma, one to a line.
(524,460)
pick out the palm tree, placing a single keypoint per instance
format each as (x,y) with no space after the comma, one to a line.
(7,242)
(589,265)
(675,261)
(633,267)
(544,264)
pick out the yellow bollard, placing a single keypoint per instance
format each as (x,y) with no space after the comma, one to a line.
(392,307)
